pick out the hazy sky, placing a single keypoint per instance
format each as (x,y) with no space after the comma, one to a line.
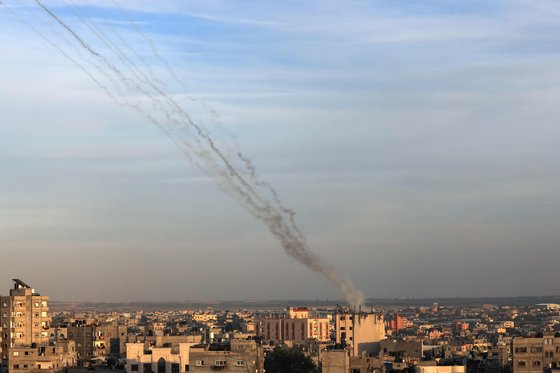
(418,143)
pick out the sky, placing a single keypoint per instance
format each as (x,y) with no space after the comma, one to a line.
(417,143)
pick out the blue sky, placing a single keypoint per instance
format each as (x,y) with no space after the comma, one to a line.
(417,142)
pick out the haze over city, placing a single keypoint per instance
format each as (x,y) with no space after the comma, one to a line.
(417,144)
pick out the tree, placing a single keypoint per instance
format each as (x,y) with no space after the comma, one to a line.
(283,360)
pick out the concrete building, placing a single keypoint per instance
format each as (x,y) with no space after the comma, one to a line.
(441,369)
(157,359)
(361,331)
(408,351)
(24,317)
(295,328)
(535,355)
(25,337)
(240,356)
(237,356)
(342,361)
(110,340)
(53,358)
(84,338)
(165,340)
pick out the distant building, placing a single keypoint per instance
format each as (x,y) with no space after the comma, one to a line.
(441,369)
(165,340)
(397,323)
(342,361)
(408,351)
(109,340)
(84,337)
(296,327)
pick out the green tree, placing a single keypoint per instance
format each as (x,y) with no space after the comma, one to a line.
(283,360)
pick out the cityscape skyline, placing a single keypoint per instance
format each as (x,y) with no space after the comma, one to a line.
(417,146)
(494,337)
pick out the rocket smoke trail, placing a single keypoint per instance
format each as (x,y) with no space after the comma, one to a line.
(234,175)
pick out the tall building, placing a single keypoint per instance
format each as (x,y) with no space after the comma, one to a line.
(361,331)
(24,333)
(24,317)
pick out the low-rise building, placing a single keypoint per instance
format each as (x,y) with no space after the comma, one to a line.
(533,355)
(236,356)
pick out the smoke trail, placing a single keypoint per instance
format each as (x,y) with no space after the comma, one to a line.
(255,195)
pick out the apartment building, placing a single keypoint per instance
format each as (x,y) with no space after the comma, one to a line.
(535,355)
(24,317)
(24,333)
(295,327)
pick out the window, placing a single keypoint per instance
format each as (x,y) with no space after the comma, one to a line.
(199,363)
(536,363)
(147,367)
(521,363)
(187,368)
(520,350)
(134,367)
(16,353)
(175,368)
(220,363)
(16,366)
(240,363)
(536,349)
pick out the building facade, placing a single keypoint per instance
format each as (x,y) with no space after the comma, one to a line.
(535,355)
(24,317)
(361,331)
(297,327)
(25,339)
(237,356)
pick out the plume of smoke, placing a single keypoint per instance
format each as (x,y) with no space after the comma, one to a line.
(240,180)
